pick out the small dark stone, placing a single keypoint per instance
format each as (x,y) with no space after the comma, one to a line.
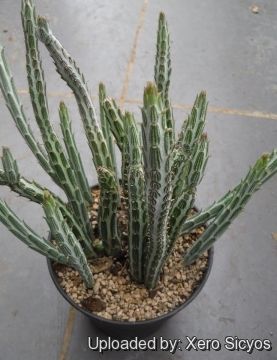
(153,292)
(115,268)
(101,264)
(93,304)
(176,281)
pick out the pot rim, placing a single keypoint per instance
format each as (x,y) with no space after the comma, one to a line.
(128,323)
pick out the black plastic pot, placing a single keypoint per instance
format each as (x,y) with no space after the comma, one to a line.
(131,329)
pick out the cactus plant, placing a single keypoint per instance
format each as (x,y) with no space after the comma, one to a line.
(159,176)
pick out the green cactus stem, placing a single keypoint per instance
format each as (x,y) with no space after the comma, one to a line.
(35,193)
(213,210)
(157,165)
(73,153)
(66,240)
(107,212)
(17,112)
(137,204)
(10,167)
(71,74)
(160,171)
(231,209)
(163,70)
(23,232)
(190,175)
(115,119)
(107,133)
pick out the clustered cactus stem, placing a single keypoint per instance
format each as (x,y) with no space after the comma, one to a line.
(102,158)
(160,170)
(11,177)
(66,240)
(229,212)
(213,210)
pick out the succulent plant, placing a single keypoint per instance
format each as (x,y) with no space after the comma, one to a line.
(159,175)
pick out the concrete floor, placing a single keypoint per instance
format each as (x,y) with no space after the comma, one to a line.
(217,45)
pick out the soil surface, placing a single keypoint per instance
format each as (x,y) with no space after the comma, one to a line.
(116,296)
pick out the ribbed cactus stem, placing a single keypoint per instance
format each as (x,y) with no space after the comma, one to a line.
(116,122)
(3,179)
(73,153)
(66,240)
(206,215)
(65,172)
(163,70)
(35,193)
(17,112)
(71,74)
(191,132)
(35,75)
(127,149)
(115,119)
(107,212)
(157,164)
(10,167)
(23,232)
(137,204)
(68,181)
(137,221)
(191,174)
(107,133)
(159,174)
(190,155)
(230,210)
(194,124)
(271,169)
(213,210)
(125,165)
(185,189)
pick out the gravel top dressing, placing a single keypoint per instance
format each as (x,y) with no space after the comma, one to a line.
(115,296)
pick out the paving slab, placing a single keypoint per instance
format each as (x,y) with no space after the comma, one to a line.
(217,45)
(220,46)
(98,35)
